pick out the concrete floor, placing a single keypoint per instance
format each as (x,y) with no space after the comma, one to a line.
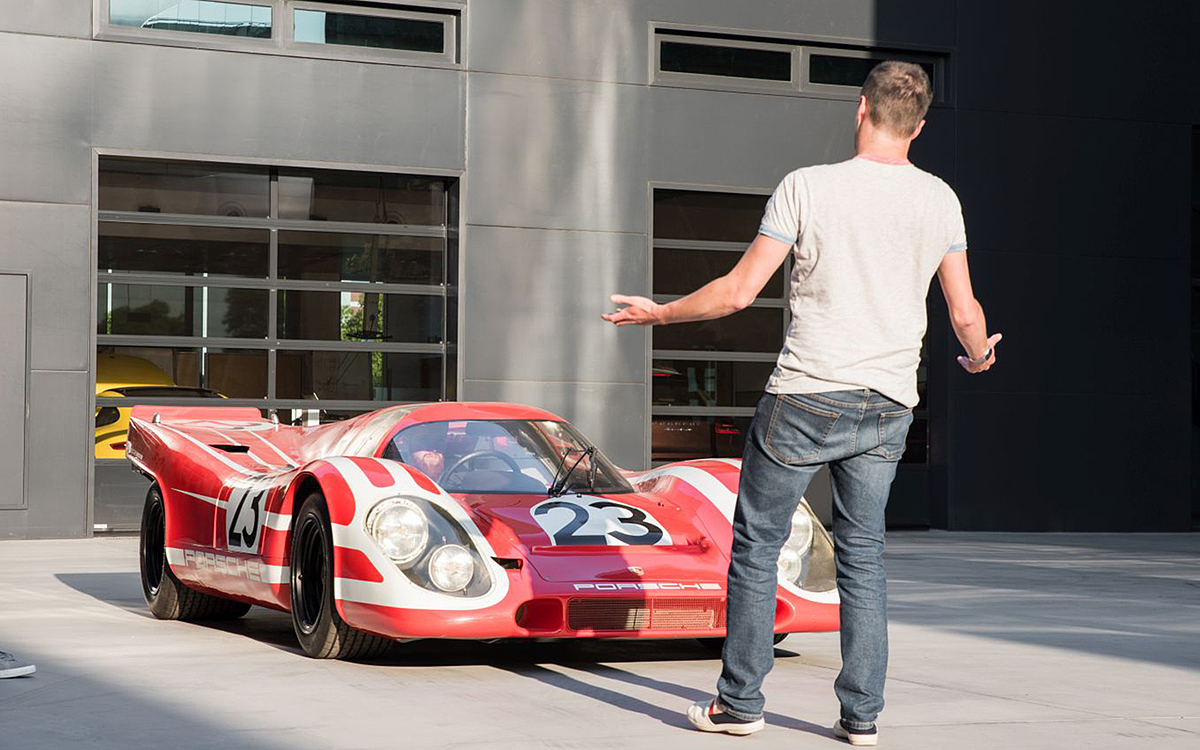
(998,641)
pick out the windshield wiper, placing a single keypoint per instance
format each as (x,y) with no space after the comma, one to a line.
(558,470)
(558,487)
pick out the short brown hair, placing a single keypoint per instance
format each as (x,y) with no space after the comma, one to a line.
(898,96)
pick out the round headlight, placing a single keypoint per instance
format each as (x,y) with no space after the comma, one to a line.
(802,531)
(451,567)
(789,564)
(400,529)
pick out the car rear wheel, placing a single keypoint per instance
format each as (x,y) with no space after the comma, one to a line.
(167,596)
(322,632)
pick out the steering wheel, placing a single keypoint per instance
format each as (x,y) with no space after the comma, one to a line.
(512,465)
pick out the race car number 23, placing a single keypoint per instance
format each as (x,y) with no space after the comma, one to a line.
(244,515)
(597,523)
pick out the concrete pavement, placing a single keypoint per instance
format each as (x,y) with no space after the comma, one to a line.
(998,641)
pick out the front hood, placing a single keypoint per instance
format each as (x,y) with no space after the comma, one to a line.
(583,538)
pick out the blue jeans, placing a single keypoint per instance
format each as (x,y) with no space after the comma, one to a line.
(860,435)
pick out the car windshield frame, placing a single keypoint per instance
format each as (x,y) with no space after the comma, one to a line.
(537,442)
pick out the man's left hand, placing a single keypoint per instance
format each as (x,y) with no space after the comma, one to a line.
(640,311)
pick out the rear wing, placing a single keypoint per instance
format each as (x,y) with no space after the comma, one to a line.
(157,414)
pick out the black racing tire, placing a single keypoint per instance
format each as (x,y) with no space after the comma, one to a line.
(168,597)
(717,644)
(321,631)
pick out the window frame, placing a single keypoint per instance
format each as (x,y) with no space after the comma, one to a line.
(452,13)
(272,344)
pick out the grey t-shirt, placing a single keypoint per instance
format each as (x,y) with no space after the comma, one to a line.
(867,238)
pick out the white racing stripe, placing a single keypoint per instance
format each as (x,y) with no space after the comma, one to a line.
(214,501)
(207,449)
(286,458)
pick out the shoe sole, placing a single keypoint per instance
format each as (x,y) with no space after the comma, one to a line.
(17,671)
(699,719)
(858,740)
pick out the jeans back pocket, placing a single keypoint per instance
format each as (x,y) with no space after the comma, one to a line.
(798,429)
(893,432)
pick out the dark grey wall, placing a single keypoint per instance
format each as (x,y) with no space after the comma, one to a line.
(1072,162)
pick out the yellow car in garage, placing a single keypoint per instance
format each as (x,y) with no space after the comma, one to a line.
(120,375)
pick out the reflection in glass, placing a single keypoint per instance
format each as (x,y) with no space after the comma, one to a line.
(368,376)
(379,32)
(721,60)
(236,373)
(685,271)
(838,70)
(755,329)
(699,383)
(183,188)
(365,197)
(701,215)
(192,251)
(360,257)
(161,310)
(684,438)
(359,316)
(197,16)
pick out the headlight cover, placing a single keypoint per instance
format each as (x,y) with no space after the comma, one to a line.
(806,559)
(401,530)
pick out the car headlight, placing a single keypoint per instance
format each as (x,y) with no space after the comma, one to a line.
(451,567)
(795,549)
(401,530)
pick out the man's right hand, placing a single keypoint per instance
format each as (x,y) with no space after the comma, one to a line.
(972,367)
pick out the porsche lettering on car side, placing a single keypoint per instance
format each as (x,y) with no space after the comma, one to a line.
(444,520)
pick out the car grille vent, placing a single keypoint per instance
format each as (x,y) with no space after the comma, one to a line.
(683,613)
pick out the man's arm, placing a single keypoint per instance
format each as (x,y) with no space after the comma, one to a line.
(966,314)
(720,297)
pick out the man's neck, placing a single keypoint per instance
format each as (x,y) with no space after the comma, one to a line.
(885,150)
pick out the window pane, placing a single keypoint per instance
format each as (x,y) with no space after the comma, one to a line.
(359,316)
(847,71)
(236,373)
(380,32)
(701,215)
(159,310)
(683,438)
(685,271)
(360,257)
(183,188)
(364,197)
(191,251)
(755,329)
(199,16)
(696,383)
(719,60)
(366,376)
(916,450)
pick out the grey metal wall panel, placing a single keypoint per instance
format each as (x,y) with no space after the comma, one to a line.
(1037,184)
(51,17)
(1134,61)
(533,300)
(14,373)
(59,445)
(45,119)
(609,414)
(556,154)
(52,242)
(151,98)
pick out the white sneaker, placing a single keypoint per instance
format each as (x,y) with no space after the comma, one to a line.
(11,666)
(858,737)
(706,717)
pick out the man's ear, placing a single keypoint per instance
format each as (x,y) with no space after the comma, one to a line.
(861,114)
(917,132)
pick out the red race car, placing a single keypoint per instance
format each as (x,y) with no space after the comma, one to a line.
(444,520)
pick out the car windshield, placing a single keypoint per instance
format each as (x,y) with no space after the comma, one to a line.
(507,456)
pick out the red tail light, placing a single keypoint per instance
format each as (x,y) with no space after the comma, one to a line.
(117,446)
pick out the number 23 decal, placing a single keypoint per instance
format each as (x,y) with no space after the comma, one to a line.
(598,523)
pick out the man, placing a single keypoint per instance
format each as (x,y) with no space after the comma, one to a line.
(866,237)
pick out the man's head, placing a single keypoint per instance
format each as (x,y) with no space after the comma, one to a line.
(895,98)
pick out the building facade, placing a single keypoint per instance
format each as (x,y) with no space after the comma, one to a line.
(319,208)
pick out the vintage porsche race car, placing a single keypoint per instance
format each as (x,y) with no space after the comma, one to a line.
(444,520)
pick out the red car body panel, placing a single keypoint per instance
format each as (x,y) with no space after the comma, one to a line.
(231,482)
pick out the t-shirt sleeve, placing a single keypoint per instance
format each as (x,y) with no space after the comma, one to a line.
(781,220)
(957,230)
